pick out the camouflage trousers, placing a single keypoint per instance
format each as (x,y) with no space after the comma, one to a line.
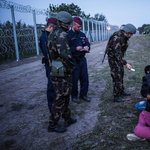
(62,88)
(117,73)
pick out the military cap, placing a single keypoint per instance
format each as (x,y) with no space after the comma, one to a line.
(77,20)
(53,21)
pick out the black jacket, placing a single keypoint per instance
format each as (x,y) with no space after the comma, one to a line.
(145,90)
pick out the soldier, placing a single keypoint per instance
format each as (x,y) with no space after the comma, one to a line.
(116,48)
(79,47)
(61,72)
(51,23)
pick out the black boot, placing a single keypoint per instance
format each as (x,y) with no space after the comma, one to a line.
(56,128)
(118,99)
(125,94)
(85,98)
(70,121)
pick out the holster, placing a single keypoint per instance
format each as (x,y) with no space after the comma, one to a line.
(78,59)
(45,61)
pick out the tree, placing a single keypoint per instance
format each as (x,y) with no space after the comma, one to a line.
(73,9)
(143,26)
(100,17)
(8,25)
(24,25)
(19,25)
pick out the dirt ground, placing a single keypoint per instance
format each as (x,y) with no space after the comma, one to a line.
(24,113)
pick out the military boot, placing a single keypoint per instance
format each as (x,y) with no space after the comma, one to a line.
(56,128)
(70,121)
(85,98)
(76,100)
(125,94)
(118,99)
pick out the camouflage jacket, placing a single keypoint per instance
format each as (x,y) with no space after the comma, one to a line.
(117,46)
(58,48)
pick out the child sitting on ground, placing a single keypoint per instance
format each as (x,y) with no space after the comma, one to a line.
(145,91)
(142,130)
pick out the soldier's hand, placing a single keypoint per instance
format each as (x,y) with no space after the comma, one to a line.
(78,48)
(128,66)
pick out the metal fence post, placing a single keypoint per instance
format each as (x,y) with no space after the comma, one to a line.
(83,26)
(99,32)
(88,31)
(15,35)
(96,32)
(35,31)
(92,31)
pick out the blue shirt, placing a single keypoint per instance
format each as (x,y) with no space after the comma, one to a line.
(43,43)
(77,39)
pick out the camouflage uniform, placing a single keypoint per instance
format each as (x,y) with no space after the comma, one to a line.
(58,46)
(116,49)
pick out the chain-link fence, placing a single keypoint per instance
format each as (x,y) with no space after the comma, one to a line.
(25,39)
(20,43)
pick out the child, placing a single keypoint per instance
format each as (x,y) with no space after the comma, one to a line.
(142,130)
(145,91)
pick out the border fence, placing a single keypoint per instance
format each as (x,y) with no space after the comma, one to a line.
(20,42)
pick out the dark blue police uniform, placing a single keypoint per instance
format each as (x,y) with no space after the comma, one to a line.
(80,72)
(43,46)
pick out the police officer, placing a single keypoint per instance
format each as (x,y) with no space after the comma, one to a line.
(116,48)
(79,47)
(51,24)
(58,46)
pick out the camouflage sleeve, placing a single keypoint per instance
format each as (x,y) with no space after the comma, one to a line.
(117,50)
(63,48)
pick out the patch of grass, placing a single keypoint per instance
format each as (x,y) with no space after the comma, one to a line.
(116,120)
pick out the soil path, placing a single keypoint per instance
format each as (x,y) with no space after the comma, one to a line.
(23,105)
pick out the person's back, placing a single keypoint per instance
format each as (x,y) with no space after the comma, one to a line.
(51,23)
(61,70)
(145,91)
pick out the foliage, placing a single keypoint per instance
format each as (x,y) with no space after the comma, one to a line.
(143,27)
(74,10)
(100,17)
(19,25)
(147,28)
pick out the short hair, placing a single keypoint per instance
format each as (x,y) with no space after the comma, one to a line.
(50,24)
(147,68)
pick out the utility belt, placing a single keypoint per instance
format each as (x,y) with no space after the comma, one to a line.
(78,59)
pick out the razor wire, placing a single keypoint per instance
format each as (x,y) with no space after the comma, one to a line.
(94,30)
(22,8)
(26,42)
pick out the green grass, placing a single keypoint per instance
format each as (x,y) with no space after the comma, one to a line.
(119,119)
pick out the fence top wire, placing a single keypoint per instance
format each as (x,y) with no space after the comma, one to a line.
(22,8)
(28,9)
